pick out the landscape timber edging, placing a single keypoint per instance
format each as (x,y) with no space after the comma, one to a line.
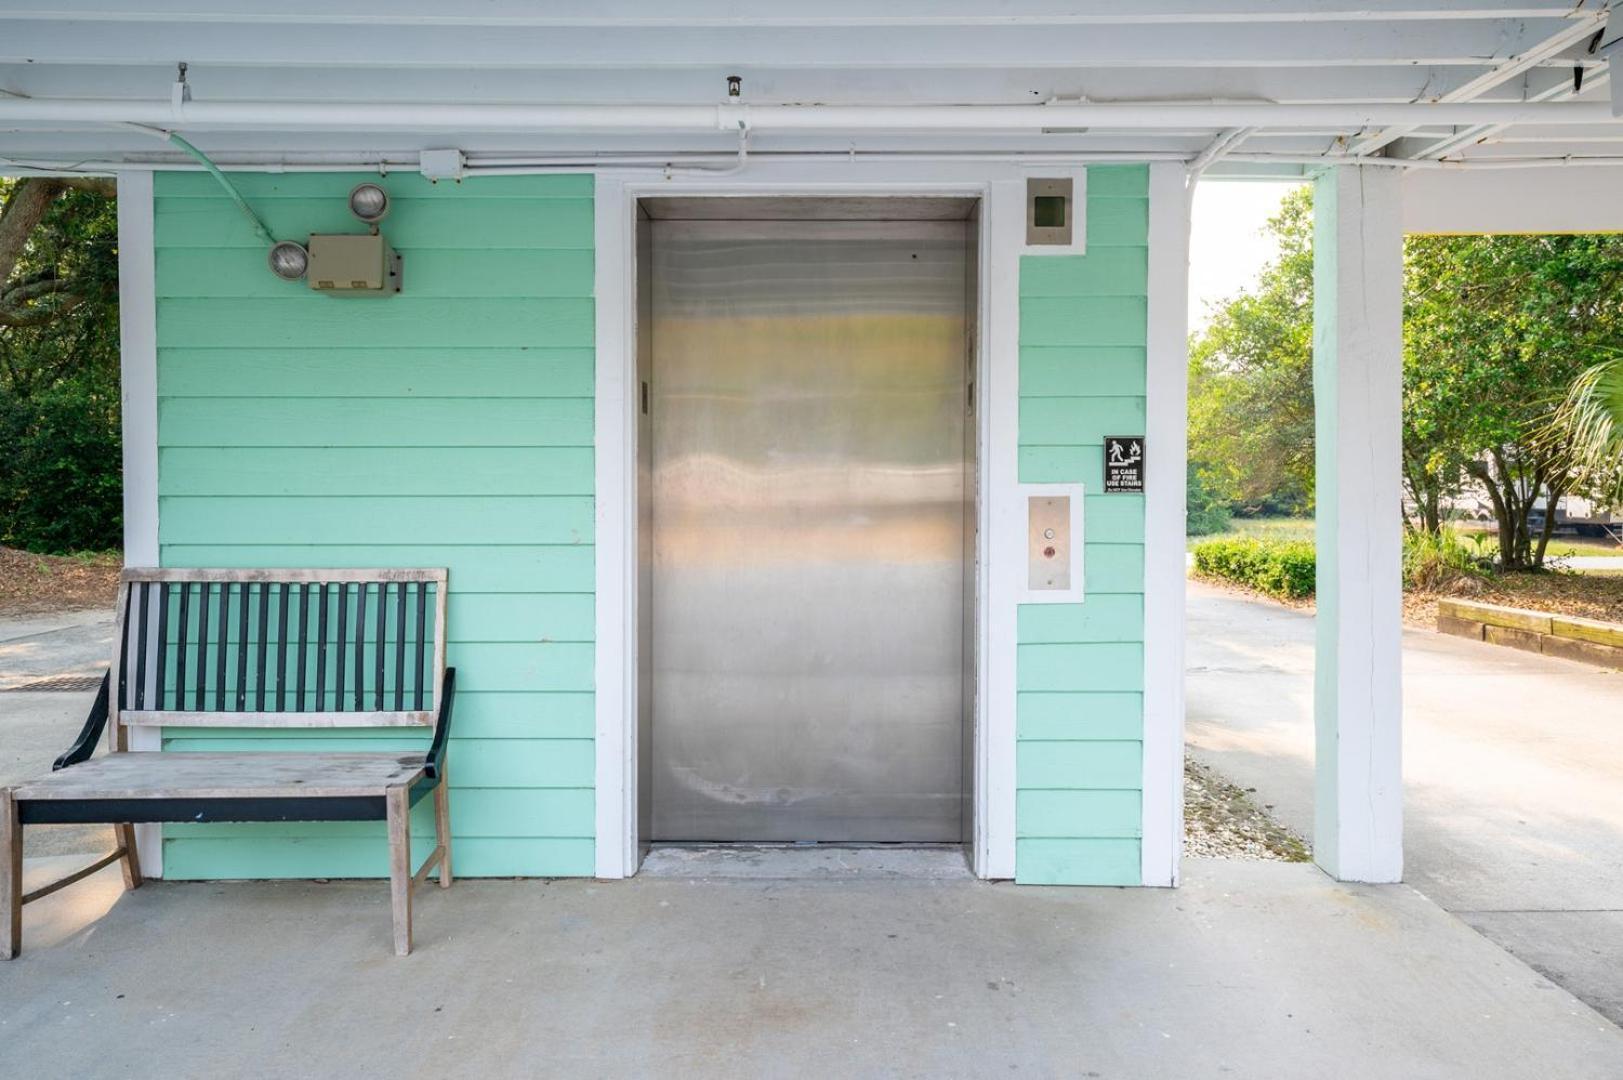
(1587,641)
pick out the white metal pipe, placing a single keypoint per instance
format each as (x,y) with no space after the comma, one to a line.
(772,118)
(524,166)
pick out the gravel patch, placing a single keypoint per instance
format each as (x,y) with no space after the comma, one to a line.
(1223,821)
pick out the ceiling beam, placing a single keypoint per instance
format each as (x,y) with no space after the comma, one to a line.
(991,85)
(1563,39)
(732,13)
(423,116)
(1471,136)
(1316,45)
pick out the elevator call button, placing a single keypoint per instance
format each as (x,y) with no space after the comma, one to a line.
(1049,550)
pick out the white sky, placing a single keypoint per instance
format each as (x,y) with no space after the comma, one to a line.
(1226,243)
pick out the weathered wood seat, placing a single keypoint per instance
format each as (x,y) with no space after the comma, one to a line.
(270,649)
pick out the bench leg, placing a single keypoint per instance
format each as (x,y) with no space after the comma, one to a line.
(400,875)
(11,878)
(442,828)
(130,859)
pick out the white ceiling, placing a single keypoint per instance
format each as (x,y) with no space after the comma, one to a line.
(847,52)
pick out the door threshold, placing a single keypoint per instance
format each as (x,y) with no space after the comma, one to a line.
(809,862)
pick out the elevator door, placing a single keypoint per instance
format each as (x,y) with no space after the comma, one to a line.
(808,404)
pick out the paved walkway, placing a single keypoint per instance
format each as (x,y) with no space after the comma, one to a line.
(1513,769)
(1250,970)
(36,727)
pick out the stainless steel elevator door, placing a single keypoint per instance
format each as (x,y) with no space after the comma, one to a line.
(808,397)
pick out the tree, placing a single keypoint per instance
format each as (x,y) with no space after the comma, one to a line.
(1589,423)
(1251,380)
(1503,325)
(59,412)
(1495,330)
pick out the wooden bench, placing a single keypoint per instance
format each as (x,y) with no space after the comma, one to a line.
(274,649)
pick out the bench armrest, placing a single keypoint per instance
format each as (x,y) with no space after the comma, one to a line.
(442,727)
(95,723)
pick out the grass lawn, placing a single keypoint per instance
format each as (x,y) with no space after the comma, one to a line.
(1262,529)
(1302,529)
(1565,545)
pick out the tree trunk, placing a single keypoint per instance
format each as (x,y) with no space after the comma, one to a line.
(1553,495)
(1510,509)
(25,206)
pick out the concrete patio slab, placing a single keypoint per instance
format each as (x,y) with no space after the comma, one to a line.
(1252,969)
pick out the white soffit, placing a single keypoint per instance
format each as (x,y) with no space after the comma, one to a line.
(506,53)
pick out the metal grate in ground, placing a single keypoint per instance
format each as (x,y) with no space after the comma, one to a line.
(57,684)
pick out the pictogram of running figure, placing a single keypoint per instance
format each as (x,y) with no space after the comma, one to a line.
(1134,454)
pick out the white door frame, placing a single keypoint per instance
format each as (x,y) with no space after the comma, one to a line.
(1000,531)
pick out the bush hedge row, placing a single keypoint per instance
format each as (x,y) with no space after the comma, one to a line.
(60,486)
(1283,568)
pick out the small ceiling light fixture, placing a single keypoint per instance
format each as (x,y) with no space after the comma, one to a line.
(369,202)
(289,260)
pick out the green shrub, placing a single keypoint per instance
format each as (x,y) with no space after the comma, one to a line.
(1283,568)
(1437,562)
(60,485)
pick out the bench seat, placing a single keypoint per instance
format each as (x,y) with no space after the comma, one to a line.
(265,776)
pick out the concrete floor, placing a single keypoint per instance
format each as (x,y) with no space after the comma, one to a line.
(1250,970)
(1513,775)
(879,966)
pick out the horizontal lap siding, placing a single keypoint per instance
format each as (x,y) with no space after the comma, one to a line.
(450,425)
(1080,666)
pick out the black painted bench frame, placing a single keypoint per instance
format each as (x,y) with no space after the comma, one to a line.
(280,681)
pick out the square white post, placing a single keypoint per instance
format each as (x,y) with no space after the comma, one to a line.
(1165,533)
(138,376)
(1358,395)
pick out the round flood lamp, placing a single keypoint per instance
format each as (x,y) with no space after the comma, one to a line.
(369,202)
(289,261)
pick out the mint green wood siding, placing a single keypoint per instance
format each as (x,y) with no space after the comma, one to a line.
(448,426)
(1081,666)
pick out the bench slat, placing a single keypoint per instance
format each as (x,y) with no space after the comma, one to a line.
(379,718)
(155,775)
(234,575)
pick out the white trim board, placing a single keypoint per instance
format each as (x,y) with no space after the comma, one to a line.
(1513,200)
(138,381)
(1076,593)
(1166,409)
(1002,191)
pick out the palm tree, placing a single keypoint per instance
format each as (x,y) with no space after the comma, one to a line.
(1590,423)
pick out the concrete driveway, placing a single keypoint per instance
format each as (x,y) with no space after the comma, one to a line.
(36,727)
(1513,769)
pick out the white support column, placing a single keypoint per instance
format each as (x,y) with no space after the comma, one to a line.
(1358,394)
(138,380)
(1165,505)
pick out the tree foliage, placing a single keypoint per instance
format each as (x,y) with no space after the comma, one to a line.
(1496,328)
(1590,422)
(59,392)
(1251,380)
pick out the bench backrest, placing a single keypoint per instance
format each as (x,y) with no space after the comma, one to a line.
(278,648)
